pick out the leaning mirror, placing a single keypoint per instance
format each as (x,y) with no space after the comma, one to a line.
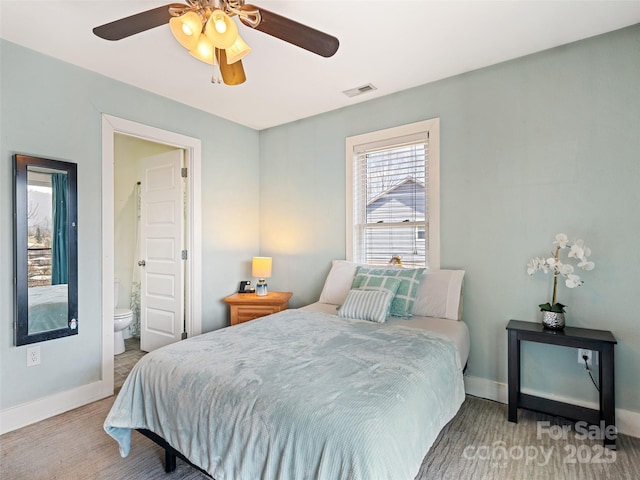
(45,249)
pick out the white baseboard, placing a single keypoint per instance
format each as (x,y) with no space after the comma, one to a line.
(27,413)
(627,421)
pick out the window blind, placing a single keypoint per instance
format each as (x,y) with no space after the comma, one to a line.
(391,201)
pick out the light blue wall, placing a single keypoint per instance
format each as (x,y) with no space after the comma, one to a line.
(52,109)
(532,147)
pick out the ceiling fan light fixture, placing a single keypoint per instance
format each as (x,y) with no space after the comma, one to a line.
(221,37)
(232,74)
(203,51)
(206,28)
(186,29)
(237,51)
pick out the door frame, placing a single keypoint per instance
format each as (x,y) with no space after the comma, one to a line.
(193,242)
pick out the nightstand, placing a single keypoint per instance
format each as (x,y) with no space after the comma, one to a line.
(601,341)
(247,306)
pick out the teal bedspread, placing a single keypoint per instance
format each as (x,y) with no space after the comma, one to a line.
(296,395)
(48,308)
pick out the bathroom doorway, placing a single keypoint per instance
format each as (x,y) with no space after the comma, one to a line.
(124,144)
(149,206)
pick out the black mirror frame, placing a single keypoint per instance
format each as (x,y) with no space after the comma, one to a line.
(20,258)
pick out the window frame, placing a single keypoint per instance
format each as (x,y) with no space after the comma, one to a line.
(390,137)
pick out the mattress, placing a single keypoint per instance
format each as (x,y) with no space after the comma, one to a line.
(48,308)
(455,330)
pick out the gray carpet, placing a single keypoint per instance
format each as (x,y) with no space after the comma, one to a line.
(480,444)
(74,446)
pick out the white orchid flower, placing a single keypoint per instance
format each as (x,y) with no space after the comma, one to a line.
(585,265)
(573,281)
(561,240)
(536,264)
(576,252)
(542,265)
(565,269)
(532,266)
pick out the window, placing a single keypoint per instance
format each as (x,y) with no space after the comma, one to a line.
(393,196)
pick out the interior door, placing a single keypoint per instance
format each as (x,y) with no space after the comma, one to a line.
(162,234)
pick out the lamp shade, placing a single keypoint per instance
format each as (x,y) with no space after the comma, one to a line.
(203,51)
(237,51)
(221,29)
(261,267)
(186,29)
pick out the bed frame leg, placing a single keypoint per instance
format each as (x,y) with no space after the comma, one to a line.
(169,461)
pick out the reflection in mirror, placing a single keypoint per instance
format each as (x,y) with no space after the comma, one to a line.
(45,243)
(47,249)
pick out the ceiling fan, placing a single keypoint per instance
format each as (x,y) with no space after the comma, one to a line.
(206,29)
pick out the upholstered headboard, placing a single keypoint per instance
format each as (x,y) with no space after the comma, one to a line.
(439,294)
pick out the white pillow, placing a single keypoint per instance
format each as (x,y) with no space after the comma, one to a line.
(440,294)
(338,282)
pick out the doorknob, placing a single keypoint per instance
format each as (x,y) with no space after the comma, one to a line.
(142,263)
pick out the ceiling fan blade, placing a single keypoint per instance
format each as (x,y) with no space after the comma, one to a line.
(140,22)
(293,32)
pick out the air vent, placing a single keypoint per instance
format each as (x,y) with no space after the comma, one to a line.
(359,90)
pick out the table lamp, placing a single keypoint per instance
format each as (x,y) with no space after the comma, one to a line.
(261,268)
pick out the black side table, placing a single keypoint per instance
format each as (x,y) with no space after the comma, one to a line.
(601,341)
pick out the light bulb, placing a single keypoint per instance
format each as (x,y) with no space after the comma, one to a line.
(221,30)
(221,25)
(186,29)
(203,51)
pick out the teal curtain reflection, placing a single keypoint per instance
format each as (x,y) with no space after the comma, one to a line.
(59,263)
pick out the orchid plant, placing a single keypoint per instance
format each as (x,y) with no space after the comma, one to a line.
(577,251)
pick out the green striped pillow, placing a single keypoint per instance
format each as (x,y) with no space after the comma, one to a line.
(372,305)
(404,298)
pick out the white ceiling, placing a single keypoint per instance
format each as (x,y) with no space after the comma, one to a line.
(394,45)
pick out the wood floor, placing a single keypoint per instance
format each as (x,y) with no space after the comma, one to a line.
(123,363)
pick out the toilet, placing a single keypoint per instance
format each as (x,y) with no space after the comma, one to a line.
(121,319)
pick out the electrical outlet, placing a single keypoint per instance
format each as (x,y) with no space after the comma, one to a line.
(582,352)
(33,356)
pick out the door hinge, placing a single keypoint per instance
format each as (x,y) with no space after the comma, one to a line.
(183,172)
(184,254)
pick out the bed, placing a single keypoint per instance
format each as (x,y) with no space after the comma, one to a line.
(306,393)
(48,308)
